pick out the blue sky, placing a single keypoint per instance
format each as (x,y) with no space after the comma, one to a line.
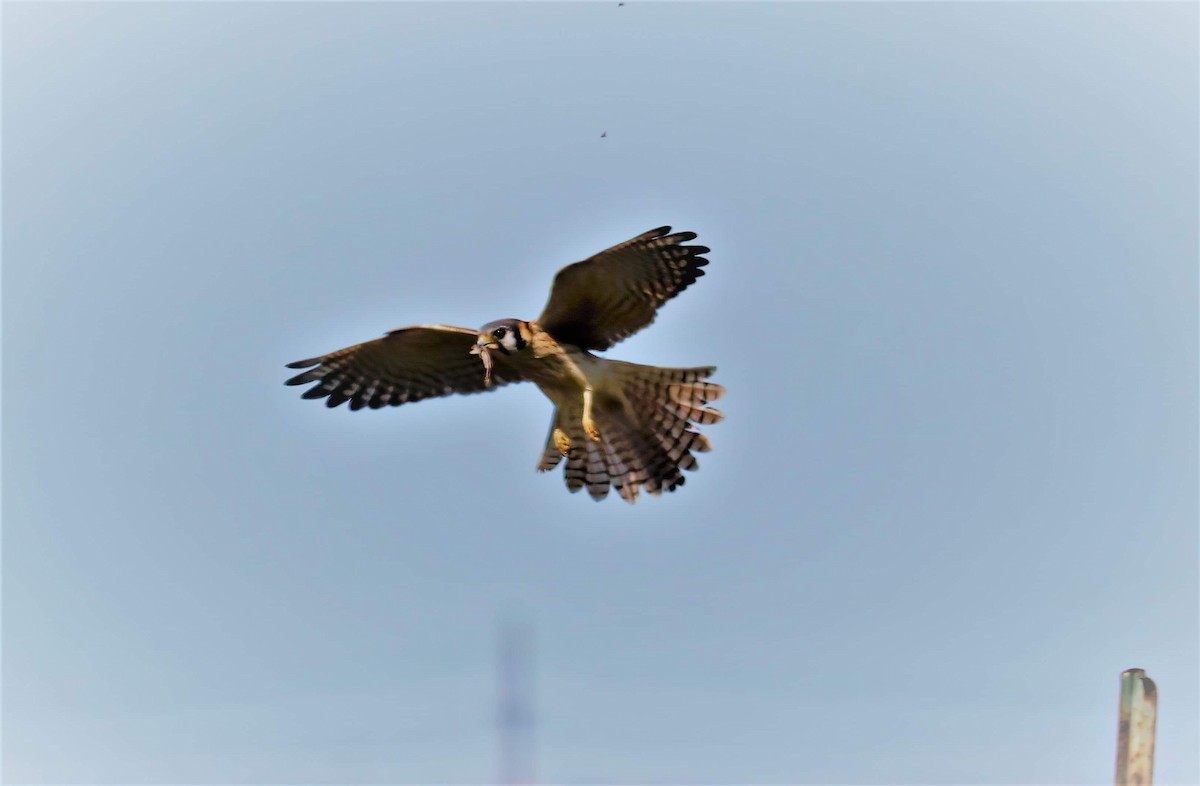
(952,294)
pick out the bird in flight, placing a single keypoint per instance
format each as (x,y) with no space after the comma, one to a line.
(618,425)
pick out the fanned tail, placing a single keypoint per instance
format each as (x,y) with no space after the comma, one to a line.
(646,442)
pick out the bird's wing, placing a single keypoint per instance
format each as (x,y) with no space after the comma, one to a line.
(409,364)
(599,301)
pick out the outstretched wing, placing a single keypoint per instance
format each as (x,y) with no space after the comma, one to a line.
(599,301)
(405,365)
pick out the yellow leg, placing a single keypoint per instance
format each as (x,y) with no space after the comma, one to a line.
(589,425)
(562,441)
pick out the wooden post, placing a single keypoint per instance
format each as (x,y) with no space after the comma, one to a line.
(1135,732)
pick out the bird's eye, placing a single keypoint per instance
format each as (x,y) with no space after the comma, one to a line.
(499,332)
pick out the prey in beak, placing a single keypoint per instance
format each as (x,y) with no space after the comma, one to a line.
(503,336)
(483,349)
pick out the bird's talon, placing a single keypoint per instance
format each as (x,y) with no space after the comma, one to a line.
(562,441)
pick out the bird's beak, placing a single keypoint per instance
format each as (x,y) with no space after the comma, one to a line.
(482,345)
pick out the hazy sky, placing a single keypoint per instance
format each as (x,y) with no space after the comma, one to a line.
(952,294)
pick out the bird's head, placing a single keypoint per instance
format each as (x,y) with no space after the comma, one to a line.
(507,336)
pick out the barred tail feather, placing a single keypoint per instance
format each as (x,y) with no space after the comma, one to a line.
(597,477)
(575,473)
(550,454)
(645,444)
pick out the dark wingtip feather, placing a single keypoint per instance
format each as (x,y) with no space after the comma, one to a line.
(303,363)
(684,236)
(307,376)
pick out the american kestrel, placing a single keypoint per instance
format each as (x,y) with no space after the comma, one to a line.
(618,424)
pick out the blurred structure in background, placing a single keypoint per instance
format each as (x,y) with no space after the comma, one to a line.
(514,719)
(1135,730)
